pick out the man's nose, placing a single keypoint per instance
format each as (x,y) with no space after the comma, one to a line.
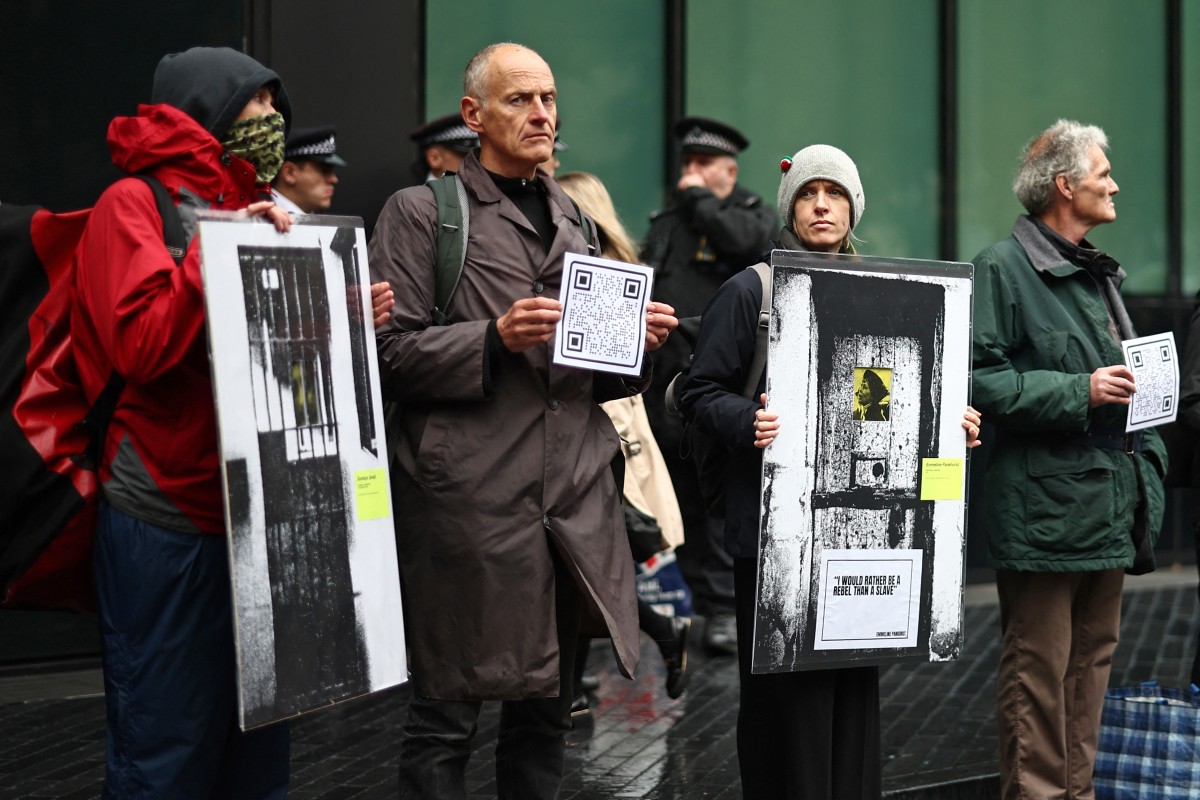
(539,110)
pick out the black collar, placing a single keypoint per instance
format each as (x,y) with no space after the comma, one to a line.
(516,186)
(1084,255)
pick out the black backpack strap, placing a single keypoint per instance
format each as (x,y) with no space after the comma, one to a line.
(454,225)
(95,423)
(172,224)
(762,334)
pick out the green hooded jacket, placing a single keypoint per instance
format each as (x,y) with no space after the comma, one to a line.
(1040,329)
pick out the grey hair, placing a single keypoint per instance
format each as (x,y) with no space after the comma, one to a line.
(476,73)
(1062,149)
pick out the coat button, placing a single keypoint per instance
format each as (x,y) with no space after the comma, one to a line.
(538,287)
(545,520)
(553,403)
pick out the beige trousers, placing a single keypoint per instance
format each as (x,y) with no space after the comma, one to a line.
(1060,630)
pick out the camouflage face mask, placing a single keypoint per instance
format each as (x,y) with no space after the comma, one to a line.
(259,140)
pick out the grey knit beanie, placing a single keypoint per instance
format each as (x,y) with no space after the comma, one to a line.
(820,162)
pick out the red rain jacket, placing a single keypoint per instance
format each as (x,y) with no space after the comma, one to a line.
(140,314)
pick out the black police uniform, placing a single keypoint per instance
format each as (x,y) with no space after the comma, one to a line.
(695,245)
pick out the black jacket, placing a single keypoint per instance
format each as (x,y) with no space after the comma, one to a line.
(1186,436)
(695,246)
(712,400)
(701,241)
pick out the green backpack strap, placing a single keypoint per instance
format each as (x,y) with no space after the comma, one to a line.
(454,223)
(454,226)
(589,228)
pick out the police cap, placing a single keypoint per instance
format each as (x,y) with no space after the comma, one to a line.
(702,135)
(314,144)
(448,131)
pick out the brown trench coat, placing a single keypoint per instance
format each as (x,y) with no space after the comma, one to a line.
(484,485)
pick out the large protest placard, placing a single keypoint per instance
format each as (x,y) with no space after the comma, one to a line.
(864,489)
(304,464)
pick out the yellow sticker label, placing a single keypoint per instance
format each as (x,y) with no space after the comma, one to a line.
(371,493)
(941,478)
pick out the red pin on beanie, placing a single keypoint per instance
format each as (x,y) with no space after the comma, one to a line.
(785,164)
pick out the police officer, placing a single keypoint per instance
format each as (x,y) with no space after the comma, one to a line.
(713,229)
(444,143)
(306,180)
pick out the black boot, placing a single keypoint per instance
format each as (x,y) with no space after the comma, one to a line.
(675,656)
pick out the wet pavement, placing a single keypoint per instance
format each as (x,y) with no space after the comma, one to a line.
(938,721)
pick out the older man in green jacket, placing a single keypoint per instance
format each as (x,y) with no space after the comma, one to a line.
(1068,490)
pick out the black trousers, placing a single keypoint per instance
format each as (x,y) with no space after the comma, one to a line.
(709,567)
(810,734)
(438,734)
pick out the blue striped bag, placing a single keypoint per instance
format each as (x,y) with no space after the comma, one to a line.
(1149,744)
(660,583)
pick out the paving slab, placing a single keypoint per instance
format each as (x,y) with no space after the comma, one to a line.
(939,738)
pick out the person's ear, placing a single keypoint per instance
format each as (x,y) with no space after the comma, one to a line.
(471,110)
(1063,184)
(287,173)
(433,158)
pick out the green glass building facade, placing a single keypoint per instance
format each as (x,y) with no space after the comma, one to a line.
(934,100)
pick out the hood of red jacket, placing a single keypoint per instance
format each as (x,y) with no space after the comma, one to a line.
(167,143)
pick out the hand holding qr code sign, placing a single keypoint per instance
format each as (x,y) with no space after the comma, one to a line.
(1154,363)
(603,324)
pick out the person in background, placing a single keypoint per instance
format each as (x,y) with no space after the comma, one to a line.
(306,180)
(813,733)
(1070,495)
(713,229)
(647,491)
(1189,417)
(444,143)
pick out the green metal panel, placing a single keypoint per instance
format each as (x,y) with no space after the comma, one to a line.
(860,75)
(608,65)
(1024,64)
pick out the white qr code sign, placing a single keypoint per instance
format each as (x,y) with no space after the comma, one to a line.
(1155,367)
(603,325)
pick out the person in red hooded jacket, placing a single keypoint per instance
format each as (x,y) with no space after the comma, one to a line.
(213,135)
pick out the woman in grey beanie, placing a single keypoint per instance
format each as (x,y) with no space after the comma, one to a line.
(821,200)
(813,733)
